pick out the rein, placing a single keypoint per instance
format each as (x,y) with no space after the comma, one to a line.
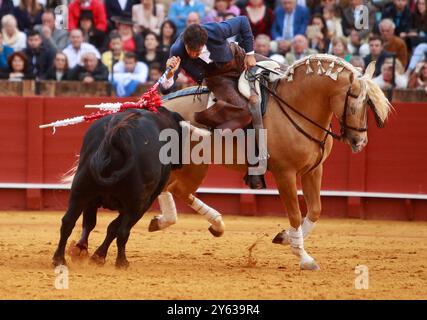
(343,122)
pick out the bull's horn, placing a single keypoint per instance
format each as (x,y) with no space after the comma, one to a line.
(199,132)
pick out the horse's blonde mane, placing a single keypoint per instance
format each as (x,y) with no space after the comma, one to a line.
(379,100)
(372,90)
(324,58)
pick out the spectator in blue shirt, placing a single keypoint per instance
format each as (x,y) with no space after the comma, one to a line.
(5,51)
(128,74)
(180,9)
(290,19)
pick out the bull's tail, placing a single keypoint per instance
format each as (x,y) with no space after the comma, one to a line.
(114,158)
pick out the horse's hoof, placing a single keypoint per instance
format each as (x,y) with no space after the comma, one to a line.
(215,233)
(154,225)
(122,264)
(98,260)
(282,238)
(309,265)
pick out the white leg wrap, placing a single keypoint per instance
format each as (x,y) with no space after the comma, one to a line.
(307,227)
(213,216)
(297,245)
(168,209)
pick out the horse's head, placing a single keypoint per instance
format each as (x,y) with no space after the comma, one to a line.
(361,94)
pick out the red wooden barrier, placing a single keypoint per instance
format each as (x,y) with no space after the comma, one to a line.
(393,162)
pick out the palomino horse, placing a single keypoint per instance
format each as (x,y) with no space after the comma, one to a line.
(300,110)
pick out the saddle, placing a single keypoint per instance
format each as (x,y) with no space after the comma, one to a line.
(262,75)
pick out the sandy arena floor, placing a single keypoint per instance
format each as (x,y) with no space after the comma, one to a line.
(186,262)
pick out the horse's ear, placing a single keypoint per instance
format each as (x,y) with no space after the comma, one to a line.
(380,123)
(370,70)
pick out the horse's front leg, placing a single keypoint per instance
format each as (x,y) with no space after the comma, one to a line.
(286,182)
(168,214)
(311,182)
(217,226)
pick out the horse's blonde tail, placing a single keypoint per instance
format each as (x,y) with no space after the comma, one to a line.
(68,176)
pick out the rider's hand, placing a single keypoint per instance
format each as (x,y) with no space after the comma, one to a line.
(250,61)
(173,63)
(418,67)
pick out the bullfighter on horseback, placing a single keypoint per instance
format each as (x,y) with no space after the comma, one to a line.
(204,52)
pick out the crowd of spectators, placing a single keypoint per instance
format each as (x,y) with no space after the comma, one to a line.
(127,42)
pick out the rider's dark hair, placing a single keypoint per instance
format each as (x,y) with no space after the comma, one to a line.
(195,36)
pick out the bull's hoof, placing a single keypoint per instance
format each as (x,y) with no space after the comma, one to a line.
(98,260)
(58,261)
(154,225)
(215,233)
(282,238)
(309,265)
(122,264)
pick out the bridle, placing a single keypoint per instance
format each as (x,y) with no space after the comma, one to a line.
(343,121)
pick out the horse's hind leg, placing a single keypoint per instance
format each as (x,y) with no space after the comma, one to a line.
(68,222)
(311,182)
(286,182)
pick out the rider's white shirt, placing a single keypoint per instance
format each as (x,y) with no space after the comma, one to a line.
(204,55)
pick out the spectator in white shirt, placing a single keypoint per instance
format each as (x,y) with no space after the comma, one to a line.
(385,79)
(12,37)
(148,15)
(77,48)
(128,74)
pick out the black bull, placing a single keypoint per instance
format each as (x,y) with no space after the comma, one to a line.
(118,169)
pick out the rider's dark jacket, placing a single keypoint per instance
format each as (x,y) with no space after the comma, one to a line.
(217,44)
